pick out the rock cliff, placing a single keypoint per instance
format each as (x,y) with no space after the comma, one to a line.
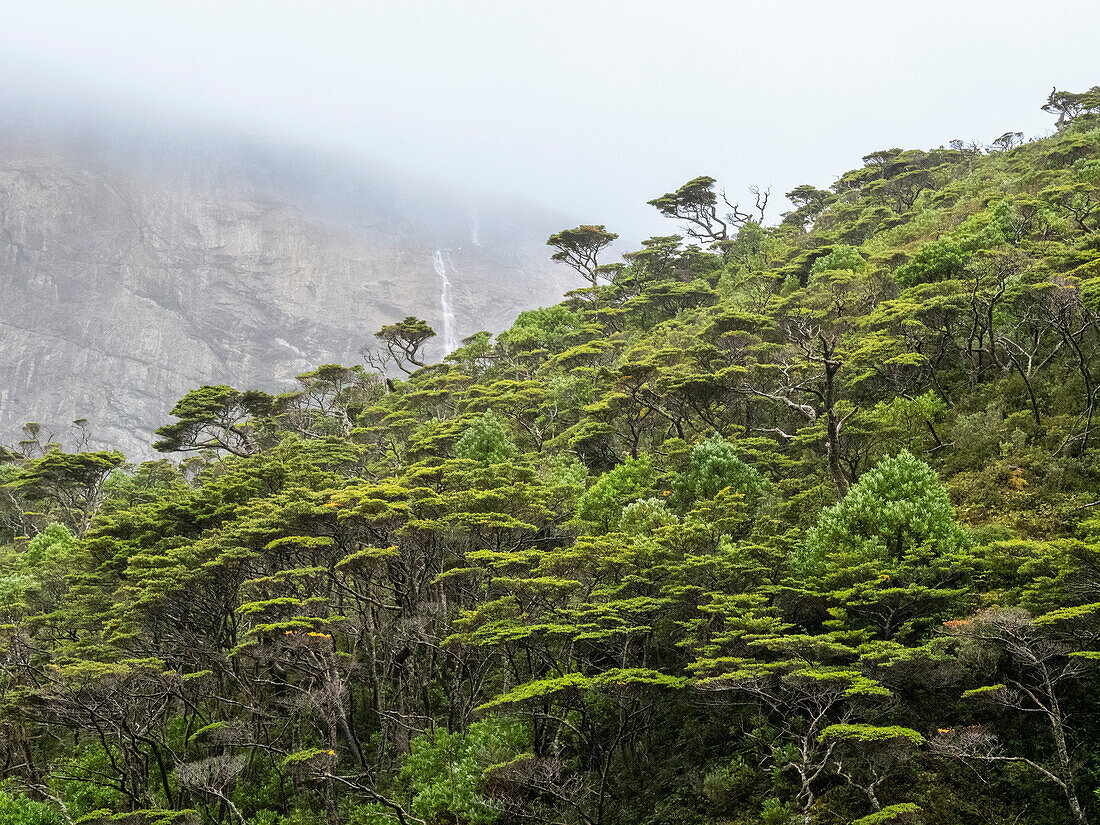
(124,283)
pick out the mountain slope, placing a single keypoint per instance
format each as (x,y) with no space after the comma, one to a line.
(797,527)
(129,278)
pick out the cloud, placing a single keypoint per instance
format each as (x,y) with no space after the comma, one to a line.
(589,108)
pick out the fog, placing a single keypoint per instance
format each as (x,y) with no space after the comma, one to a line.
(586,108)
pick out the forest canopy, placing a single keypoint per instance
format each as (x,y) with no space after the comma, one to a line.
(784,522)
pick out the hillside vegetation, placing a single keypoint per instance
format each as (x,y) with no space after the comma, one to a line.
(793,523)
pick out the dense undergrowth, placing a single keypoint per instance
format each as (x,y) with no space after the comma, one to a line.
(791,523)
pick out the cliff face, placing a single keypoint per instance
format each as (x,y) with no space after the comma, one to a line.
(120,290)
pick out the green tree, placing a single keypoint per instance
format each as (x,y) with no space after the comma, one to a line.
(70,485)
(890,556)
(485,440)
(1048,663)
(696,203)
(1070,105)
(712,467)
(216,418)
(402,343)
(580,248)
(601,507)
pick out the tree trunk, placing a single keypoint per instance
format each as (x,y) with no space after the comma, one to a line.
(832,423)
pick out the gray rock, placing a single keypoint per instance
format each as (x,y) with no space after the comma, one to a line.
(124,285)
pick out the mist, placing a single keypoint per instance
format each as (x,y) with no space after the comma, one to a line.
(586,109)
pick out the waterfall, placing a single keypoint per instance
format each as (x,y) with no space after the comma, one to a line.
(474,234)
(450,343)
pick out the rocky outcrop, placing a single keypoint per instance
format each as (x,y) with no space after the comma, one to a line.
(121,289)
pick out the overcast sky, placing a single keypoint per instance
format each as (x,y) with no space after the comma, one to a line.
(590,107)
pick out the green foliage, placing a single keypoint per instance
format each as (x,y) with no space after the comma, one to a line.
(902,812)
(444,771)
(485,440)
(940,260)
(774,812)
(580,248)
(601,507)
(215,418)
(548,329)
(646,515)
(793,523)
(402,343)
(871,733)
(144,485)
(897,508)
(712,467)
(539,689)
(17,810)
(48,550)
(890,555)
(842,257)
(695,203)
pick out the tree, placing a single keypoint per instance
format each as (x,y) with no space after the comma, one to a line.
(71,483)
(889,555)
(696,203)
(216,418)
(804,691)
(799,362)
(601,507)
(36,442)
(1070,105)
(809,202)
(485,440)
(894,508)
(214,776)
(1007,141)
(328,400)
(1045,662)
(403,342)
(1063,306)
(580,247)
(866,755)
(712,467)
(1078,194)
